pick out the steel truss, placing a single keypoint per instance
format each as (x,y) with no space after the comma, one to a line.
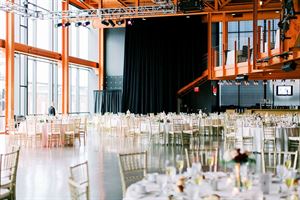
(77,15)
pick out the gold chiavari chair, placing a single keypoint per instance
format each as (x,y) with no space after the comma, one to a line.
(54,137)
(34,133)
(133,168)
(8,173)
(69,134)
(83,129)
(270,160)
(207,157)
(269,136)
(79,181)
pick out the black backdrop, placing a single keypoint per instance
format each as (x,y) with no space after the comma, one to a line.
(161,56)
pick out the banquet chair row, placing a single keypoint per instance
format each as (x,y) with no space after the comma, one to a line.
(8,173)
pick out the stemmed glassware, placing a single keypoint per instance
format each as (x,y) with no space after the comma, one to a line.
(179,163)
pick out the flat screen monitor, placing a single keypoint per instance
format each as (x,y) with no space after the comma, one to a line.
(284,90)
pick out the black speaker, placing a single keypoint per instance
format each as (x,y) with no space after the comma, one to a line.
(289,66)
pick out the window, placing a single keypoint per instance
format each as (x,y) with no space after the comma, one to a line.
(73,89)
(2,24)
(42,87)
(84,90)
(2,91)
(79,90)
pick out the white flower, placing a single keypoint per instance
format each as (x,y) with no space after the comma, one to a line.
(227,156)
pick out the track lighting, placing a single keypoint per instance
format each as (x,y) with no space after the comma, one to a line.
(104,22)
(58,25)
(130,22)
(77,24)
(112,23)
(85,24)
(120,22)
(67,24)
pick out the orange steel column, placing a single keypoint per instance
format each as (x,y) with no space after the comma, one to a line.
(101,55)
(210,66)
(9,57)
(65,63)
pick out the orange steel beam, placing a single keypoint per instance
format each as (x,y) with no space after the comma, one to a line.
(65,63)
(79,4)
(225,3)
(209,46)
(101,54)
(50,55)
(194,83)
(219,16)
(9,67)
(255,31)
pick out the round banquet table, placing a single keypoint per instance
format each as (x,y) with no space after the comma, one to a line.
(223,187)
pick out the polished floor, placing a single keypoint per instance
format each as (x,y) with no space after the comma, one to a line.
(43,172)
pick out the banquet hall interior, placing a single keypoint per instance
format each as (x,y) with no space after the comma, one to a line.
(149,99)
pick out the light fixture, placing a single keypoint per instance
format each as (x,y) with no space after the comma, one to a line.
(112,23)
(85,24)
(104,22)
(58,25)
(265,82)
(120,22)
(260,2)
(77,24)
(67,24)
(255,83)
(130,22)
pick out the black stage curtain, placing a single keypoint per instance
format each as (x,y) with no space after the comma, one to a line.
(161,56)
(107,101)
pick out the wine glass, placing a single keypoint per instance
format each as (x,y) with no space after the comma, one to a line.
(179,163)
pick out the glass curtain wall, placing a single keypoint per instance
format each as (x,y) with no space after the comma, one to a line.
(79,90)
(2,72)
(240,31)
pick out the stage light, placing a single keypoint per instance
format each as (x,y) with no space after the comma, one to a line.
(289,66)
(67,24)
(77,24)
(85,24)
(58,25)
(112,23)
(130,22)
(120,22)
(104,22)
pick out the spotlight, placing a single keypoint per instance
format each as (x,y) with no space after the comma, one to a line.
(104,22)
(265,82)
(112,23)
(130,22)
(120,22)
(85,24)
(289,66)
(67,24)
(77,24)
(255,83)
(58,25)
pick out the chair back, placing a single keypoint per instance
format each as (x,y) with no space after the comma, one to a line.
(133,168)
(56,126)
(79,181)
(208,157)
(271,159)
(9,165)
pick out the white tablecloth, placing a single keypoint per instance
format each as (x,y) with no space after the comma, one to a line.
(192,191)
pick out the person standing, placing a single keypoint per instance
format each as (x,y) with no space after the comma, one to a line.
(51,110)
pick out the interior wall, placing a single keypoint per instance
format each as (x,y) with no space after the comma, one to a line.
(252,95)
(293,100)
(204,99)
(114,58)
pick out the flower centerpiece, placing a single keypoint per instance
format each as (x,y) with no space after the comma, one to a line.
(237,158)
